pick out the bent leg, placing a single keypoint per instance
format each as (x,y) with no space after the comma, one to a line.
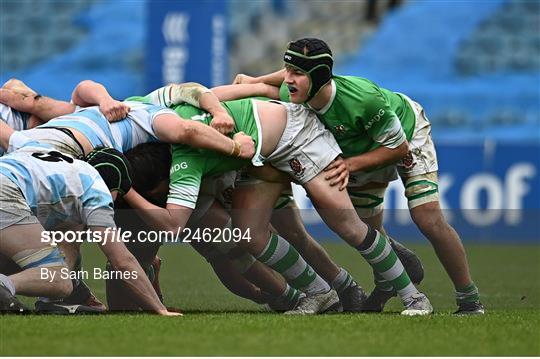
(445,240)
(41,263)
(422,194)
(288,223)
(337,211)
(253,209)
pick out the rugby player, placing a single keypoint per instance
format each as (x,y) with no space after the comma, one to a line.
(42,188)
(376,128)
(287,220)
(29,101)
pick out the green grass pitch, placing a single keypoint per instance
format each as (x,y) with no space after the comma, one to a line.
(218,323)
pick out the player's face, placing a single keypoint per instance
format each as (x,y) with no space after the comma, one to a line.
(298,84)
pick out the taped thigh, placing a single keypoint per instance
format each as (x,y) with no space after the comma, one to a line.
(421,189)
(285,200)
(367,202)
(43,257)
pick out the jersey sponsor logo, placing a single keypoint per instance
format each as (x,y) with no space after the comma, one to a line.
(178,167)
(288,57)
(297,168)
(374,119)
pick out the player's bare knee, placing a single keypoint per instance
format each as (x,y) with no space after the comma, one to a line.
(430,223)
(422,219)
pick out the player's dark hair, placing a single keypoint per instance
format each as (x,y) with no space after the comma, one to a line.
(314,57)
(151,163)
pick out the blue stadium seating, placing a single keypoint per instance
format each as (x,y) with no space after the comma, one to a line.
(75,42)
(474,68)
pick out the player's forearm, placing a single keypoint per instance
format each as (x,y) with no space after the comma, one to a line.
(170,128)
(156,217)
(209,102)
(90,93)
(274,78)
(44,108)
(140,286)
(198,135)
(239,91)
(379,157)
(132,273)
(16,100)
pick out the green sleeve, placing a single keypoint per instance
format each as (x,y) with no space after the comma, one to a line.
(381,122)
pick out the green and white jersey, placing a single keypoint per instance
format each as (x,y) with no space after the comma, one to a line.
(363,116)
(242,112)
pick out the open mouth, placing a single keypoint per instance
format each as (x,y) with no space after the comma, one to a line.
(292,89)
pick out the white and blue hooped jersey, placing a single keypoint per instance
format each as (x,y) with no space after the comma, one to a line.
(16,120)
(122,135)
(58,188)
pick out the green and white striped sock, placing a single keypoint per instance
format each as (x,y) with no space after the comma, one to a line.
(291,295)
(468,293)
(284,259)
(381,283)
(342,281)
(377,251)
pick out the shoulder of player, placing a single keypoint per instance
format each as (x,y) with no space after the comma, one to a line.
(356,86)
(357,92)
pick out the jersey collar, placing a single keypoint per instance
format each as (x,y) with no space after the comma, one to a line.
(326,107)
